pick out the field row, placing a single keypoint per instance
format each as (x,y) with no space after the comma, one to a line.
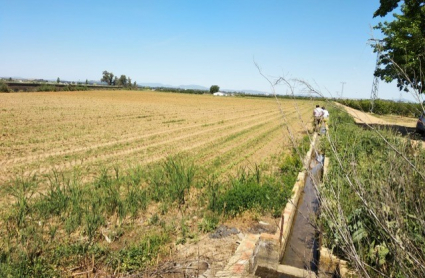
(42,132)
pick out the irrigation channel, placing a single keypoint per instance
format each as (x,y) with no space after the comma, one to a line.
(302,250)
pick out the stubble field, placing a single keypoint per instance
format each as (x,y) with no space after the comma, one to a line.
(60,131)
(120,181)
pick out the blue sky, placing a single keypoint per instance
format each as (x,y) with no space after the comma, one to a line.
(201,42)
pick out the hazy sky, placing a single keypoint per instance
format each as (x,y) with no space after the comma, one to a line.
(202,42)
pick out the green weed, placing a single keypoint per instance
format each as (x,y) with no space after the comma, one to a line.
(371,193)
(249,190)
(141,254)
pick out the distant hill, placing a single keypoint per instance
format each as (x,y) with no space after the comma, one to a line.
(254,92)
(148,84)
(194,87)
(186,87)
(153,85)
(404,100)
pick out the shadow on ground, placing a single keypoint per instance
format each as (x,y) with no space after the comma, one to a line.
(403,130)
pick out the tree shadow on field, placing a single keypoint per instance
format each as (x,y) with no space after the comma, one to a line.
(404,131)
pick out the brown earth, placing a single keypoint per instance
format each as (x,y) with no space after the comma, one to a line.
(361,117)
(60,131)
(217,251)
(404,126)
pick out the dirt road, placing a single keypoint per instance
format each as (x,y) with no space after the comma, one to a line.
(404,125)
(361,117)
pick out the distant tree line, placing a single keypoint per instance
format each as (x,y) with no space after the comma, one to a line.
(178,90)
(66,88)
(383,107)
(4,88)
(113,80)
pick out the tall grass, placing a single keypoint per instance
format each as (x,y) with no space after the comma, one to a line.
(72,223)
(372,208)
(172,181)
(372,213)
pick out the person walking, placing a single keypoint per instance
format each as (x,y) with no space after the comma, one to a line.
(317,115)
(325,117)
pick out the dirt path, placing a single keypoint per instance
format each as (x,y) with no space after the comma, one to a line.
(361,117)
(408,124)
(364,118)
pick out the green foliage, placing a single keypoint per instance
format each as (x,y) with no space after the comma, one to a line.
(68,223)
(111,79)
(73,88)
(402,50)
(255,189)
(172,182)
(25,266)
(209,222)
(214,89)
(154,219)
(53,88)
(213,186)
(46,88)
(67,207)
(141,254)
(22,191)
(107,77)
(291,164)
(4,88)
(248,190)
(371,192)
(386,6)
(383,107)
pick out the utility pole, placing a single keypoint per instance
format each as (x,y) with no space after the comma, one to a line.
(342,90)
(375,84)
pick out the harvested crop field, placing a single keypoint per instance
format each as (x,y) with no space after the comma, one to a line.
(61,131)
(125,181)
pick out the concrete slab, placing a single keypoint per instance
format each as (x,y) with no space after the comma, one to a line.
(295,272)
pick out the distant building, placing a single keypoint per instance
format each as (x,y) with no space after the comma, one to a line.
(220,94)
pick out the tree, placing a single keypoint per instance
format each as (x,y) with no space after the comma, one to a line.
(108,77)
(3,87)
(387,6)
(58,80)
(214,89)
(112,79)
(402,50)
(123,80)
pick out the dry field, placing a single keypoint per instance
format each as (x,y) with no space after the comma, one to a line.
(61,131)
(89,132)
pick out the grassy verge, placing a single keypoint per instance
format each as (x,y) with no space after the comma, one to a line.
(372,209)
(123,222)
